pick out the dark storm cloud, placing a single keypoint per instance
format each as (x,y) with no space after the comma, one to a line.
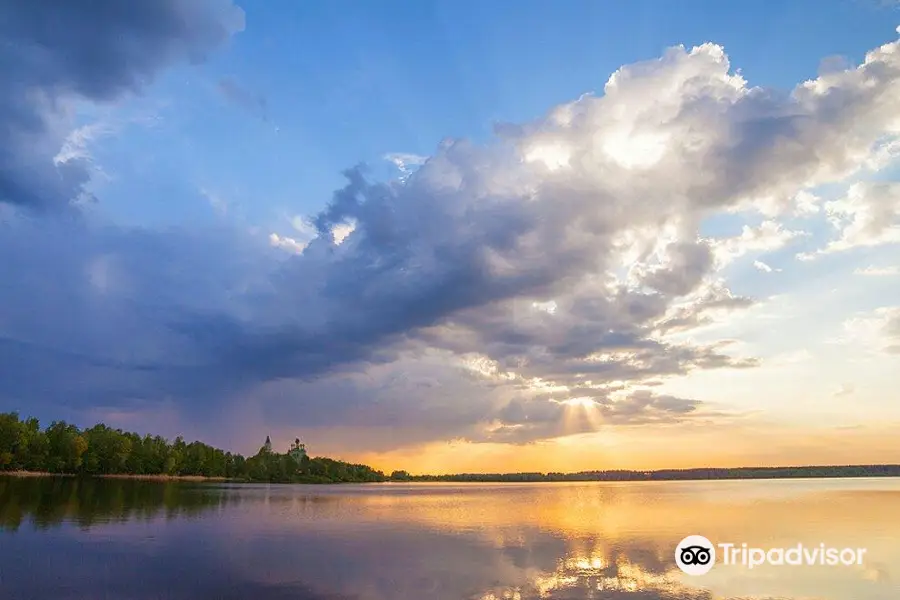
(59,51)
(90,314)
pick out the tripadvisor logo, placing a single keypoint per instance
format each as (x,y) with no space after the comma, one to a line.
(696,555)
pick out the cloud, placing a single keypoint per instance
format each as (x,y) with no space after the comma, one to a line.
(804,203)
(216,201)
(57,54)
(406,163)
(797,356)
(885,154)
(425,299)
(75,146)
(873,271)
(869,215)
(768,236)
(287,243)
(105,309)
(305,232)
(877,331)
(584,410)
(761,266)
(891,329)
(845,389)
(255,104)
(707,304)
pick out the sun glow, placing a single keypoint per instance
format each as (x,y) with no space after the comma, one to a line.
(581,414)
(635,150)
(547,307)
(583,402)
(340,231)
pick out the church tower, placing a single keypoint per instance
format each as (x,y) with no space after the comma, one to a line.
(298,450)
(268,445)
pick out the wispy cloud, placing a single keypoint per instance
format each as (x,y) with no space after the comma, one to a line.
(216,201)
(768,236)
(877,271)
(760,265)
(406,163)
(76,146)
(844,390)
(875,331)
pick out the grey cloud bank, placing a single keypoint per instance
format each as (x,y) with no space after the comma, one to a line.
(57,53)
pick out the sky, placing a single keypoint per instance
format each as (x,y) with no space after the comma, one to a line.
(458,236)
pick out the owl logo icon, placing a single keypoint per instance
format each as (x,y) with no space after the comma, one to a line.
(695,555)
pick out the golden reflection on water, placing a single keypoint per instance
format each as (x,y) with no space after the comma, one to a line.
(619,538)
(596,577)
(604,541)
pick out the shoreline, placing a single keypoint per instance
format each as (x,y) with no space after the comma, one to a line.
(116,476)
(696,474)
(462,480)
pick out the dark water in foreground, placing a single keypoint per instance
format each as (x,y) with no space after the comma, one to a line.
(67,539)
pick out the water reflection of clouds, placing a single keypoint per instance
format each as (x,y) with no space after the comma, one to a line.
(412,564)
(458,543)
(604,573)
(603,542)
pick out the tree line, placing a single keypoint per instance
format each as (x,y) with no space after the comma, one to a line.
(101,450)
(63,448)
(664,475)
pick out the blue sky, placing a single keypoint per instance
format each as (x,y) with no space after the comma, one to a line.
(705,246)
(348,82)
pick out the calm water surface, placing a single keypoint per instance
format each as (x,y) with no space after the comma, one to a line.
(68,539)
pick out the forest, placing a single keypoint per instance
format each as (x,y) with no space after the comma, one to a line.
(62,448)
(666,475)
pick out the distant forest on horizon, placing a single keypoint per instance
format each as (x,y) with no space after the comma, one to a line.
(64,449)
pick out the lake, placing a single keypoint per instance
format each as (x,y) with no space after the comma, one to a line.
(64,538)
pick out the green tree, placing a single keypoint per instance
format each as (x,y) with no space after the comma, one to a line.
(66,447)
(175,459)
(9,440)
(108,450)
(32,450)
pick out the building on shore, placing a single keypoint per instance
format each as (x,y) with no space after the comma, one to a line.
(298,451)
